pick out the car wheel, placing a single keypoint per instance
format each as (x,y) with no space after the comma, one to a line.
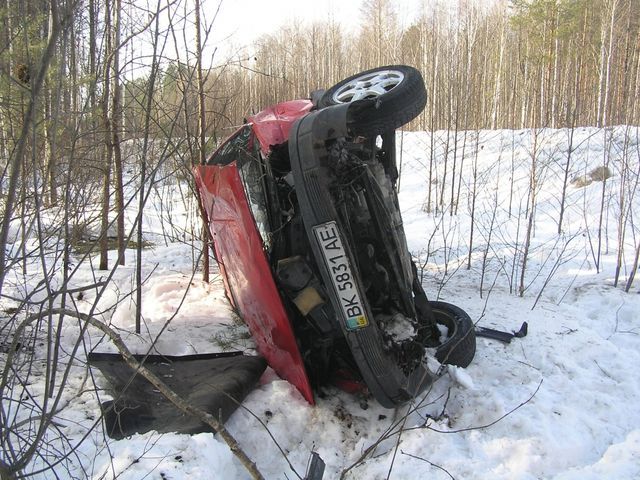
(383,98)
(459,347)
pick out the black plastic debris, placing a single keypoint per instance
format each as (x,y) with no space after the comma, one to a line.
(501,336)
(216,383)
(316,468)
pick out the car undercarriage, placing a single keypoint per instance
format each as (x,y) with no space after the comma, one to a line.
(324,203)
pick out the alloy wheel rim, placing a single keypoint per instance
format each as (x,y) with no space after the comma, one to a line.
(368,86)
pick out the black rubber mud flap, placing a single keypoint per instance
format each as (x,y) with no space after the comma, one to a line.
(385,378)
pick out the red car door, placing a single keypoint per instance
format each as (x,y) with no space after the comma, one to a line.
(230,197)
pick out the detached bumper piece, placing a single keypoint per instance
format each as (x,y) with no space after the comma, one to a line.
(216,383)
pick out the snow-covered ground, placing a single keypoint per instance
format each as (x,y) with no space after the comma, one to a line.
(561,403)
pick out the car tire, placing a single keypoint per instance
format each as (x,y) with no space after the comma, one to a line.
(382,99)
(460,346)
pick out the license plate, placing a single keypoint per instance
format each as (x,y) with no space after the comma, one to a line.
(344,284)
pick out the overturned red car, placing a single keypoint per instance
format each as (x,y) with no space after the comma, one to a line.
(302,208)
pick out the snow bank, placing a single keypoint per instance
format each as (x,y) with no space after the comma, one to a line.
(559,404)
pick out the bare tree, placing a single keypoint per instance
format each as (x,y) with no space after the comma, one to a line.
(531,206)
(115,125)
(59,21)
(202,141)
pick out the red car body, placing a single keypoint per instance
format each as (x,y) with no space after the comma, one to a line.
(239,246)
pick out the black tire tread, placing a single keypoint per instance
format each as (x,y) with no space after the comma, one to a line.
(460,348)
(389,111)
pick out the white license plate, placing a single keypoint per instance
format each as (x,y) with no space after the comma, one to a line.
(342,277)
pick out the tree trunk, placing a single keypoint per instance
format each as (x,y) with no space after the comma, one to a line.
(533,187)
(108,146)
(116,125)
(17,159)
(201,136)
(151,84)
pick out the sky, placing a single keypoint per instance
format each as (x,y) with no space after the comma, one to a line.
(236,24)
(242,21)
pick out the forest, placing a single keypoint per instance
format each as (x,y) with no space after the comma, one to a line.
(81,78)
(106,105)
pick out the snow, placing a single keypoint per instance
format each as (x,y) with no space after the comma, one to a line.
(399,327)
(558,404)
